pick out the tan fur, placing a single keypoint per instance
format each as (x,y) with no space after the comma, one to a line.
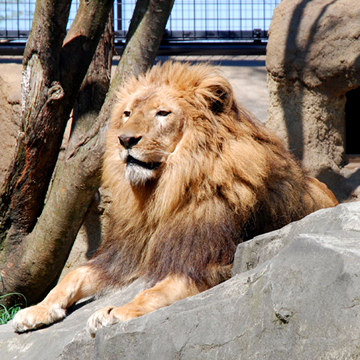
(164,293)
(78,284)
(191,174)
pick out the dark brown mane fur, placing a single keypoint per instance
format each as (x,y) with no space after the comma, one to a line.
(229,180)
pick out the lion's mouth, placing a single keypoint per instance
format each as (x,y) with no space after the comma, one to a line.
(131,161)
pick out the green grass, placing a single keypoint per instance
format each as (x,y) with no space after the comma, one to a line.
(7,314)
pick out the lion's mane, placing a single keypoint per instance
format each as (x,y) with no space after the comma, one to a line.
(228,180)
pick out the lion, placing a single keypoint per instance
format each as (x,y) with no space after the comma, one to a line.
(192,174)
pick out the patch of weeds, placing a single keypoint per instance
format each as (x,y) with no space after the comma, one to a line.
(7,314)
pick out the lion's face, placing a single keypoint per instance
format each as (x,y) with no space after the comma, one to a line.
(150,127)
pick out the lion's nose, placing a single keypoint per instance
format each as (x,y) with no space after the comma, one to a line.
(129,141)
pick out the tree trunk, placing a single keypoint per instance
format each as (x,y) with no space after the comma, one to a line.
(53,70)
(34,248)
(76,180)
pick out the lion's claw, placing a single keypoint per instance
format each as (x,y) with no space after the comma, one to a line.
(100,319)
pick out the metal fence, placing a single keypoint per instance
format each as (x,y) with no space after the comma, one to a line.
(190,20)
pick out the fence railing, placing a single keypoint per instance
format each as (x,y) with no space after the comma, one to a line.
(190,21)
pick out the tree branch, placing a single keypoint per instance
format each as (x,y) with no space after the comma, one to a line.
(51,79)
(49,101)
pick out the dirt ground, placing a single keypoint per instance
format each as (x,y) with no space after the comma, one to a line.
(10,109)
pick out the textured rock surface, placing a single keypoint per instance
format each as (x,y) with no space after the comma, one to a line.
(317,42)
(295,294)
(313,60)
(67,339)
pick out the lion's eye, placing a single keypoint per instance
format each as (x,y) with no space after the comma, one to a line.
(126,113)
(163,113)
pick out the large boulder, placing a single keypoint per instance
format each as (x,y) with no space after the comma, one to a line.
(294,294)
(313,61)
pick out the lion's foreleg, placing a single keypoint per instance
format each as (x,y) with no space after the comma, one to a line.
(78,284)
(164,293)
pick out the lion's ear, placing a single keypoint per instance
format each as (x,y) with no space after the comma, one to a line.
(217,94)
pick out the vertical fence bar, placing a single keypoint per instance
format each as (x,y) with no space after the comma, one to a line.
(5,19)
(119,15)
(182,19)
(18,19)
(205,17)
(194,24)
(229,19)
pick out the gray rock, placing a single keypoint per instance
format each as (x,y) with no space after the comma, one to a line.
(295,294)
(67,339)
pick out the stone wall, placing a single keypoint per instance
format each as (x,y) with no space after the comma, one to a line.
(313,60)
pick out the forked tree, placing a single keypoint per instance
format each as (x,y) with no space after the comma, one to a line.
(44,200)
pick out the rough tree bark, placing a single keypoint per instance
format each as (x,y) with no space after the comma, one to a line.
(54,67)
(36,239)
(75,180)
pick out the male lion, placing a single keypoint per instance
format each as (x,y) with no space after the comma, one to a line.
(192,174)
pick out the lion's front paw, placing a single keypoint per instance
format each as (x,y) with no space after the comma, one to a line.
(110,315)
(37,316)
(100,319)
